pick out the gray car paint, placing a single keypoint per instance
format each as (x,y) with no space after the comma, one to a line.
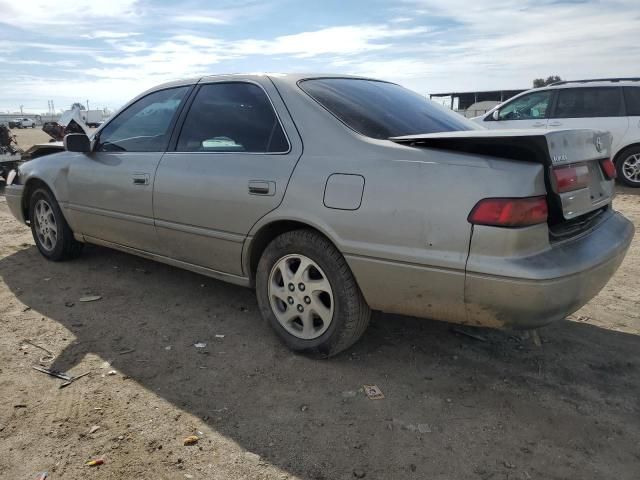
(407,240)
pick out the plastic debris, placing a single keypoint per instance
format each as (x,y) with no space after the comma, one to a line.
(167,348)
(94,429)
(42,476)
(219,336)
(95,463)
(191,440)
(112,372)
(90,298)
(373,392)
(200,345)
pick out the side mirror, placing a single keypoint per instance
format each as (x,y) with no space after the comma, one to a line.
(77,142)
(496,115)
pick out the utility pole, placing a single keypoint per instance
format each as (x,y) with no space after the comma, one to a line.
(87,104)
(21,110)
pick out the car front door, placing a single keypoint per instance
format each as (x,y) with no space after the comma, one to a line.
(230,166)
(111,188)
(598,108)
(526,111)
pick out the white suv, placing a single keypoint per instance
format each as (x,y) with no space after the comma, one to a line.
(605,104)
(26,123)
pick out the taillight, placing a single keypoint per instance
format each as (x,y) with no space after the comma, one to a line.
(572,177)
(608,168)
(509,212)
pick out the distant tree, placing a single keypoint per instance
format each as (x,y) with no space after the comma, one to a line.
(79,106)
(541,82)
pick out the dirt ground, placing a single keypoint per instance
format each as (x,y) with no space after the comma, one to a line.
(455,407)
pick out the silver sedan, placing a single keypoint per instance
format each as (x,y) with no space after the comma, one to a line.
(333,196)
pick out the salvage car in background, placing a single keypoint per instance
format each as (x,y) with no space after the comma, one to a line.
(606,104)
(394,203)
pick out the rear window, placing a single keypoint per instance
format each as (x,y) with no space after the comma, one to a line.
(382,110)
(632,96)
(589,102)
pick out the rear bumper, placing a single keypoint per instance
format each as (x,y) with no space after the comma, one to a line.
(13,196)
(549,285)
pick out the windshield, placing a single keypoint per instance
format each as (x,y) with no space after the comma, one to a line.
(382,110)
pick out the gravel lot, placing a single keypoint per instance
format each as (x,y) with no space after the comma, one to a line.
(455,407)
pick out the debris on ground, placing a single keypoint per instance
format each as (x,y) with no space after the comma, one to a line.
(469,334)
(304,408)
(536,338)
(95,463)
(42,476)
(94,429)
(124,352)
(359,473)
(252,457)
(73,379)
(90,298)
(53,373)
(200,345)
(69,304)
(373,392)
(112,372)
(191,440)
(424,428)
(48,352)
(219,336)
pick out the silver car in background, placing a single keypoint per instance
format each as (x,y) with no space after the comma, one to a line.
(333,196)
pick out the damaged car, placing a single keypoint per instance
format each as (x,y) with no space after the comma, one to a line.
(334,196)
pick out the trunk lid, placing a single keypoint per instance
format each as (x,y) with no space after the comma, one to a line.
(557,149)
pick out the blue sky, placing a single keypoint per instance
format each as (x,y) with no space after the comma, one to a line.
(108,51)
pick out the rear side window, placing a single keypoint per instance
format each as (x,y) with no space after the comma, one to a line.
(632,97)
(145,125)
(382,110)
(232,117)
(589,102)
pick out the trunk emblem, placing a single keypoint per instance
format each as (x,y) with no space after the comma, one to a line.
(598,144)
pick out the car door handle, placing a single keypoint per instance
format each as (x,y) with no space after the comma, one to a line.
(262,187)
(555,124)
(140,178)
(540,124)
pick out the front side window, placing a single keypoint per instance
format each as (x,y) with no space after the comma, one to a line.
(632,97)
(382,110)
(232,117)
(527,107)
(588,102)
(145,125)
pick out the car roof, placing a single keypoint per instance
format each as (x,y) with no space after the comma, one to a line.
(593,83)
(287,77)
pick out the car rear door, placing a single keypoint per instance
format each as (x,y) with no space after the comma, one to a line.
(526,111)
(598,108)
(111,188)
(236,149)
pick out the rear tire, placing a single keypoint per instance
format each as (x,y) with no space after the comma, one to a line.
(628,167)
(302,271)
(49,228)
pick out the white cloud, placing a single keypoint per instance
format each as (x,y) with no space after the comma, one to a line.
(37,13)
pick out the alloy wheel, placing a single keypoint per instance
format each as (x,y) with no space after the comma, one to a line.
(301,296)
(46,226)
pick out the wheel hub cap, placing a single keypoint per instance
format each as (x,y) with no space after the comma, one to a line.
(631,168)
(45,225)
(301,296)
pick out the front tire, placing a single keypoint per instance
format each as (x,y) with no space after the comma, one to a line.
(306,291)
(49,228)
(628,167)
